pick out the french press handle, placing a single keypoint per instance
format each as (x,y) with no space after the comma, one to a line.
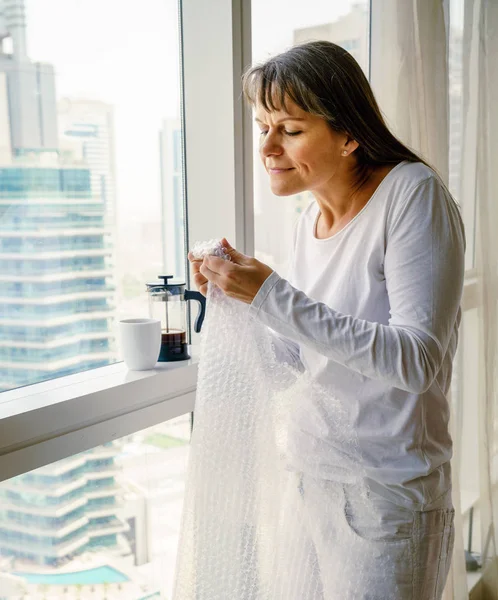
(202,309)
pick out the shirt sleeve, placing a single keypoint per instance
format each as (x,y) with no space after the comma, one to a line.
(424,272)
(285,349)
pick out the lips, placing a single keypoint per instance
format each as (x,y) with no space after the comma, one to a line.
(277,170)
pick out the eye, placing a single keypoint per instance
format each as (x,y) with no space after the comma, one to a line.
(263,132)
(292,132)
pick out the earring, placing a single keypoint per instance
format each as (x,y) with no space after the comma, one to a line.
(344,152)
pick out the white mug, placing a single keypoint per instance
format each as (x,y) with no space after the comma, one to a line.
(140,343)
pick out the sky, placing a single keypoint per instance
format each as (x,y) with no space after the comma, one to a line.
(126,54)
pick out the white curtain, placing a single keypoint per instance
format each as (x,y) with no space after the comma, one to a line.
(413,82)
(409,74)
(481,55)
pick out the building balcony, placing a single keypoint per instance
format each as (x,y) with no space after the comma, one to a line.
(55,321)
(51,511)
(99,530)
(51,532)
(45,550)
(94,474)
(27,249)
(102,452)
(42,234)
(39,330)
(81,265)
(58,254)
(47,292)
(56,277)
(84,294)
(55,343)
(45,490)
(103,492)
(50,199)
(61,466)
(59,365)
(96,511)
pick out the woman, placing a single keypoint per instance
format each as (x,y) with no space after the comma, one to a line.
(372,305)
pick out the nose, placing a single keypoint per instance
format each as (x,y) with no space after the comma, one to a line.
(270,146)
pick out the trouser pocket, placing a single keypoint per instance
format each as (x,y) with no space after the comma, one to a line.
(378,520)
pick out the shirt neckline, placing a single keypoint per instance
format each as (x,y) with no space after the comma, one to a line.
(321,240)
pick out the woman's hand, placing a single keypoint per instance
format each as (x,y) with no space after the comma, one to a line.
(200,281)
(239,278)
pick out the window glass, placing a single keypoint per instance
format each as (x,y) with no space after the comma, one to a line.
(91,195)
(103,523)
(456,97)
(276,26)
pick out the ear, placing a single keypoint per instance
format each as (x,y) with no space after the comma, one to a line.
(350,145)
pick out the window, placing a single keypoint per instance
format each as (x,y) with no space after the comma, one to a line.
(107,518)
(456,101)
(88,195)
(277,25)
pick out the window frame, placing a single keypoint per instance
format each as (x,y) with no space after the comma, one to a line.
(51,420)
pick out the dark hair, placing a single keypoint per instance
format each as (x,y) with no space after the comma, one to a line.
(325,80)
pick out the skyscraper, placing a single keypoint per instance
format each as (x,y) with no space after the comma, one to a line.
(56,287)
(87,127)
(349,31)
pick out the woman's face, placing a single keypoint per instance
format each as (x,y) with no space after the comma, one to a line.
(299,150)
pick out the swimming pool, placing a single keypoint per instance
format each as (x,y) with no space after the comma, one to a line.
(103,574)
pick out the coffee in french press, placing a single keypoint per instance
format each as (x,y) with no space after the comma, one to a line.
(167,303)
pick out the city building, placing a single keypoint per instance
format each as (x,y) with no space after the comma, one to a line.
(86,127)
(56,230)
(52,514)
(349,31)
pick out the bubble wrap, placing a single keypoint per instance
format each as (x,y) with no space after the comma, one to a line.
(260,522)
(210,248)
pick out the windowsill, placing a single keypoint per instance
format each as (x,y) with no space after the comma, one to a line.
(67,407)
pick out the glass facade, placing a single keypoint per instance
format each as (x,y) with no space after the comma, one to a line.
(36,181)
(56,286)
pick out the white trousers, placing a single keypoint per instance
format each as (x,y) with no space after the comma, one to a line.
(398,553)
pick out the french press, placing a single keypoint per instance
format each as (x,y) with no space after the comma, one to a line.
(168,304)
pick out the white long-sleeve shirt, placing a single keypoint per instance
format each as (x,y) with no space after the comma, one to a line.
(373,313)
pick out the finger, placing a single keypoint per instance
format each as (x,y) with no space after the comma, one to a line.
(209,274)
(234,254)
(193,260)
(218,265)
(199,280)
(195,265)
